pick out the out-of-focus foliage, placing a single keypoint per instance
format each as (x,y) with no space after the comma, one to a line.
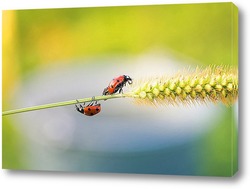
(57,34)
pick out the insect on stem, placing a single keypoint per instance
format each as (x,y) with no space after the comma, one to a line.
(58,104)
(211,84)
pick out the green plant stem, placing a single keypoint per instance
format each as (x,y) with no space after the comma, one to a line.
(64,103)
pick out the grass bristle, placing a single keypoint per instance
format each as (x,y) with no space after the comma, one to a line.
(211,84)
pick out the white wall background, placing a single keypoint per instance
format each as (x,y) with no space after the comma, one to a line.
(31,179)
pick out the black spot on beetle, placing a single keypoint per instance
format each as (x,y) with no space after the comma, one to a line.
(89,109)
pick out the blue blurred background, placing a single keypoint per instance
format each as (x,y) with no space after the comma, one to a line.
(56,55)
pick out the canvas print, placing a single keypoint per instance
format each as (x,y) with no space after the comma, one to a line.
(127,89)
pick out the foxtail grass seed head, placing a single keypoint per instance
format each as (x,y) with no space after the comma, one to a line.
(211,84)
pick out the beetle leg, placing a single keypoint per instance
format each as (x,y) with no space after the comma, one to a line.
(80,103)
(79,109)
(120,90)
(90,104)
(105,91)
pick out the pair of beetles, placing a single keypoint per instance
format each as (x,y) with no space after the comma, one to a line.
(114,86)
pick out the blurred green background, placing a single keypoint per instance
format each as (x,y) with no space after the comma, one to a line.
(50,39)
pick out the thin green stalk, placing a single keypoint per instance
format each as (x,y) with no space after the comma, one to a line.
(64,103)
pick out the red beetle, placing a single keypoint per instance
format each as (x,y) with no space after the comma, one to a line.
(89,110)
(117,84)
